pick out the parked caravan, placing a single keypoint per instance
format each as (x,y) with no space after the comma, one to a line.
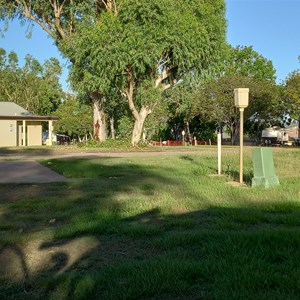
(275,136)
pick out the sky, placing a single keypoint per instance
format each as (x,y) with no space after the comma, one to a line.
(271,27)
(40,46)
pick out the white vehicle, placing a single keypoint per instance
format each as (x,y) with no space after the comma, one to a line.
(45,138)
(275,136)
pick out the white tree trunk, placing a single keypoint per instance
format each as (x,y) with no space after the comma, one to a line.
(188,132)
(140,116)
(112,127)
(99,123)
(139,125)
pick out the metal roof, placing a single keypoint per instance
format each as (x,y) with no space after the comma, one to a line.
(30,118)
(12,111)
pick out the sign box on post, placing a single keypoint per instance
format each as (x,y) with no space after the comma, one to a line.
(263,165)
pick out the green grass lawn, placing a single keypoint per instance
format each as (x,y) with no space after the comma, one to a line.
(156,227)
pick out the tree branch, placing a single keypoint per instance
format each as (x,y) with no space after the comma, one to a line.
(110,5)
(57,8)
(129,94)
(50,27)
(164,75)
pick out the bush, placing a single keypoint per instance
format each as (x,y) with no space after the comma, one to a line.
(125,127)
(109,143)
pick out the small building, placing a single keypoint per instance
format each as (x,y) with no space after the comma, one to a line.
(18,127)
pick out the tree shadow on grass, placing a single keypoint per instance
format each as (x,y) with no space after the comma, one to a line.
(95,251)
(87,205)
(216,253)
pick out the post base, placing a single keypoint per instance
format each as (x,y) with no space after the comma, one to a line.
(265,181)
(263,166)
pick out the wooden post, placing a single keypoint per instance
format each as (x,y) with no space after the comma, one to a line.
(241,143)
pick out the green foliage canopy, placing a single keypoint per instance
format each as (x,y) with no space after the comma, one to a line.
(35,87)
(148,39)
(75,118)
(246,62)
(291,94)
(59,18)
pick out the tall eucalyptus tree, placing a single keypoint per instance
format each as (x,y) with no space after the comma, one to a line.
(146,48)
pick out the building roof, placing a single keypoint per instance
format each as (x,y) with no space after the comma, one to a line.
(12,111)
